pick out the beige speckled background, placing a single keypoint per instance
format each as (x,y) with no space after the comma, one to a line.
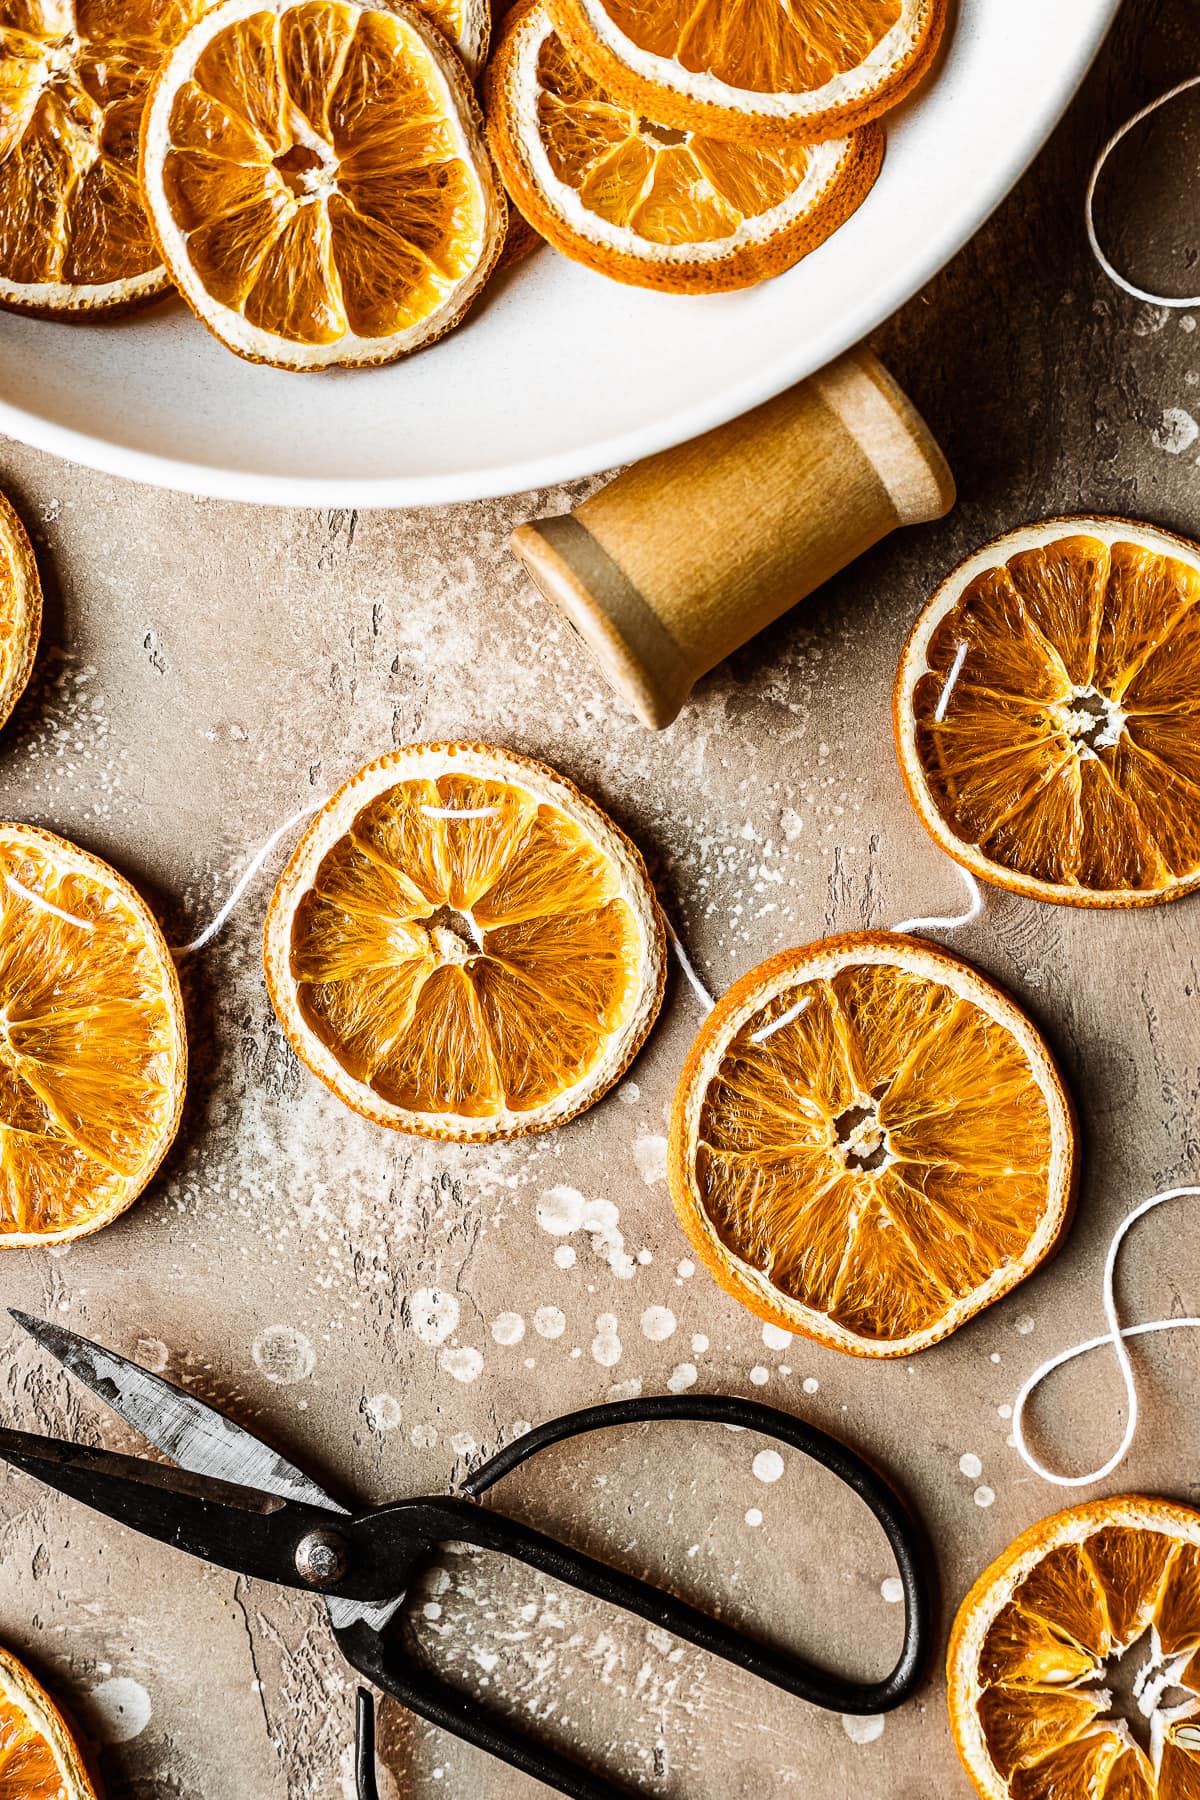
(207,669)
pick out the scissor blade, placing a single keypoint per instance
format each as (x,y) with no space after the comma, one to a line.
(221,1521)
(192,1434)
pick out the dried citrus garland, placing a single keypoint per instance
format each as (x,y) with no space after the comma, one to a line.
(464,946)
(1047,713)
(649,204)
(869,1143)
(92,1047)
(1074,1663)
(39,1757)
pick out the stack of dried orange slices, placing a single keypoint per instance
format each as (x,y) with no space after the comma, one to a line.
(698,149)
(312,175)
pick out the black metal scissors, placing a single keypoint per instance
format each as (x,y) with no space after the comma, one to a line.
(232,1500)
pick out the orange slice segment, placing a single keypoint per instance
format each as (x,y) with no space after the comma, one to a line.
(751,72)
(39,1758)
(316,176)
(1047,718)
(20,608)
(92,1045)
(464,946)
(74,238)
(869,1143)
(617,190)
(1069,1671)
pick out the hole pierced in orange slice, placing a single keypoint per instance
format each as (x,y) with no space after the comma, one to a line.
(869,1143)
(463,946)
(1046,713)
(1072,1671)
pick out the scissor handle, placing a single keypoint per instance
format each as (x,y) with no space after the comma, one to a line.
(408,1534)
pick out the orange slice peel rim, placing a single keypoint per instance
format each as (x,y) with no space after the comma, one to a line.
(28,1699)
(545,788)
(823,960)
(19,650)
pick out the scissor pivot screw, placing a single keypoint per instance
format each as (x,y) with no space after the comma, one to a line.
(322,1557)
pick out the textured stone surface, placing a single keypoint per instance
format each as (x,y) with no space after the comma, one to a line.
(206,670)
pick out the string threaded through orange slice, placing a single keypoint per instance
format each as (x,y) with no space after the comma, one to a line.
(1073,1670)
(752,73)
(463,946)
(870,1143)
(1047,713)
(316,176)
(39,1757)
(74,238)
(616,189)
(93,1052)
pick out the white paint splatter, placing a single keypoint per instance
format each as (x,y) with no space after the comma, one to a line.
(383,1412)
(1025,1324)
(767,1466)
(625,1390)
(994,1357)
(1005,1411)
(424,1437)
(629,1092)
(560,1211)
(775,1337)
(432,1314)
(686,1270)
(658,1324)
(1175,432)
(463,1444)
(984,1496)
(121,1708)
(760,1376)
(153,1354)
(564,1256)
(465,1364)
(754,1516)
(970,1465)
(650,1155)
(606,1345)
(699,1344)
(549,1322)
(892,1590)
(682,1377)
(863,1731)
(508,1328)
(810,1384)
(283,1355)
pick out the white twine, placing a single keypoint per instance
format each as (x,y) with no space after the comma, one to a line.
(243,881)
(682,958)
(953,921)
(1115,1335)
(1113,274)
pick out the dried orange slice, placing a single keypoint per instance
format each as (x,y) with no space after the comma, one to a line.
(464,946)
(1047,713)
(316,176)
(869,1143)
(39,1758)
(644,202)
(20,608)
(467,24)
(1073,1671)
(756,73)
(74,238)
(93,1054)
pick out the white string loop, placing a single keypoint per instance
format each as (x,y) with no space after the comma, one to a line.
(243,882)
(952,922)
(1089,220)
(1115,1335)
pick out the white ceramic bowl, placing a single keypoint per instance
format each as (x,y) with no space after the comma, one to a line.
(557,372)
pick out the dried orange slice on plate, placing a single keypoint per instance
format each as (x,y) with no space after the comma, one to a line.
(1047,713)
(93,1054)
(74,238)
(39,1758)
(647,203)
(20,608)
(1073,1670)
(751,72)
(869,1143)
(316,176)
(464,946)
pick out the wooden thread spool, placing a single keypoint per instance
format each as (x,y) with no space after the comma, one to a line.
(689,554)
